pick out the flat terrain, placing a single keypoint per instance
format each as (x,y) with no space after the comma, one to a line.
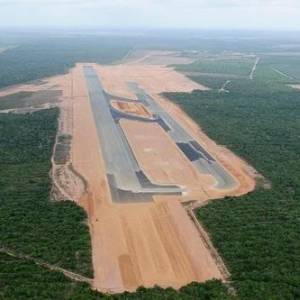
(154,79)
(155,57)
(151,240)
(134,158)
(295,86)
(140,239)
(133,242)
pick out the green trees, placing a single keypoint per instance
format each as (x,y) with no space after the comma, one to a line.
(43,57)
(30,223)
(257,234)
(21,279)
(238,66)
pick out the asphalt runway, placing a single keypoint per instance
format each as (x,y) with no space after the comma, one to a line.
(127,181)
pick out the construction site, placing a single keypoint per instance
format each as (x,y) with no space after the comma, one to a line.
(139,165)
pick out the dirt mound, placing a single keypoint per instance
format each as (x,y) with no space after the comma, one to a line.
(137,109)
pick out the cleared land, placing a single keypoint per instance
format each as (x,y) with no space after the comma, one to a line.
(154,242)
(296,86)
(154,79)
(137,109)
(162,58)
(139,242)
(124,235)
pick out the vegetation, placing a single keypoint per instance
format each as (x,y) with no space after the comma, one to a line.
(20,279)
(214,70)
(29,99)
(30,223)
(288,64)
(240,65)
(258,234)
(34,56)
(45,57)
(210,81)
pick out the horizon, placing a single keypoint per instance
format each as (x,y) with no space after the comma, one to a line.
(274,15)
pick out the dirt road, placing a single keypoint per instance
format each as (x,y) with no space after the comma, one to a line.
(251,76)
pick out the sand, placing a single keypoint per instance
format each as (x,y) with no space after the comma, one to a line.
(137,109)
(295,86)
(237,167)
(158,79)
(133,244)
(154,79)
(150,243)
(163,162)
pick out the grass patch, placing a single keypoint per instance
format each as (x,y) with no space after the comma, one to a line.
(29,99)
(240,66)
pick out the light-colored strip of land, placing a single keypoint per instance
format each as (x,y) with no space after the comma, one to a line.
(162,161)
(133,244)
(141,243)
(214,75)
(295,86)
(41,263)
(5,48)
(154,79)
(282,73)
(155,57)
(223,87)
(251,76)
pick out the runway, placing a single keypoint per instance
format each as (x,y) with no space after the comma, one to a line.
(127,181)
(138,178)
(199,157)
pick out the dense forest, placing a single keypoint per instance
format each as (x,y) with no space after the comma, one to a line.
(258,234)
(21,279)
(30,223)
(45,57)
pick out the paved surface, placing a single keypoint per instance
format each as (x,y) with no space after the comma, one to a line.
(127,181)
(200,158)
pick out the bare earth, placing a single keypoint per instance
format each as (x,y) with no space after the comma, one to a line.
(137,109)
(2,49)
(133,244)
(155,79)
(161,160)
(151,243)
(295,86)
